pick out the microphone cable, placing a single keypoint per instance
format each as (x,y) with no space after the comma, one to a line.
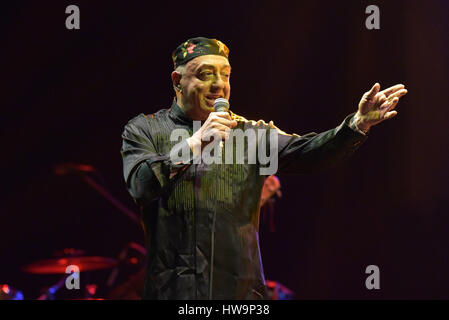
(212,241)
(220,105)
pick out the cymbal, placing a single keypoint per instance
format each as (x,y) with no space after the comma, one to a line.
(59,265)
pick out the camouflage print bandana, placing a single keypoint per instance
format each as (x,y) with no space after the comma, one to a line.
(195,47)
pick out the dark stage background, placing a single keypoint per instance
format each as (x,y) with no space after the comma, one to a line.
(67,94)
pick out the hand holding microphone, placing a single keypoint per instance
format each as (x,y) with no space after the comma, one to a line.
(218,122)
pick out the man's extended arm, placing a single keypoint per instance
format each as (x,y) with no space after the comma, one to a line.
(311,152)
(314,152)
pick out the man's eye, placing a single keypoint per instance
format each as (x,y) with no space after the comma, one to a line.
(206,74)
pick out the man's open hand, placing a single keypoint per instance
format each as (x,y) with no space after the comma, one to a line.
(377,106)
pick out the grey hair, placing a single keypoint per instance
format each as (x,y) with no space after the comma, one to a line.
(181,70)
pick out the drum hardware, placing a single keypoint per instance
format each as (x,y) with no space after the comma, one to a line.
(84,170)
(277,291)
(9,293)
(124,257)
(59,266)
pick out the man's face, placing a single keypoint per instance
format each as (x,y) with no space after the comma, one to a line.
(205,79)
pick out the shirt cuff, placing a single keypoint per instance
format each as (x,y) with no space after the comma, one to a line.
(354,126)
(183,157)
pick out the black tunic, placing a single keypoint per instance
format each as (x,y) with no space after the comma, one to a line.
(202,220)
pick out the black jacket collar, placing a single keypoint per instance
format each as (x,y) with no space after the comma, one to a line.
(178,115)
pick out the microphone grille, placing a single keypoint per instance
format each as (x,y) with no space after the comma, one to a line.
(221,105)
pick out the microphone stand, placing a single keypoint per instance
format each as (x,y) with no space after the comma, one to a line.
(50,293)
(108,196)
(82,169)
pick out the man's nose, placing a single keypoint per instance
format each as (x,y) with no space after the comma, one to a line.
(219,83)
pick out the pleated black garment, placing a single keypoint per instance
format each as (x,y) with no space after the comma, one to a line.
(201,221)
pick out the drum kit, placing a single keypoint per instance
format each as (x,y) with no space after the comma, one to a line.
(70,263)
(70,266)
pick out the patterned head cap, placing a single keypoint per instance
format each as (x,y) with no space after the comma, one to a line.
(196,47)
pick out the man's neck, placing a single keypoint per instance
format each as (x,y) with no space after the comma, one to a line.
(192,113)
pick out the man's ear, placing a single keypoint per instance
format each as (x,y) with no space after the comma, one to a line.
(176,79)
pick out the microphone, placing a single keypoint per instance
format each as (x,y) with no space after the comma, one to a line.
(221,105)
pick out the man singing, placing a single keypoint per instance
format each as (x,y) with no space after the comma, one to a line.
(201,219)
